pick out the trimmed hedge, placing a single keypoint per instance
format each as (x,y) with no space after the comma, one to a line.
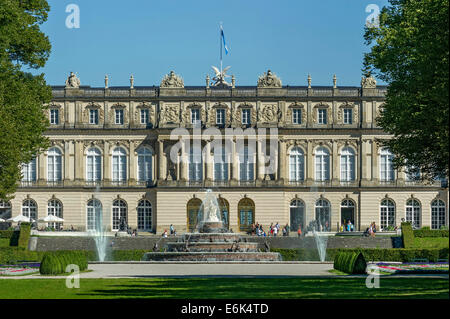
(350,262)
(56,262)
(128,255)
(13,255)
(426,232)
(6,233)
(370,254)
(24,235)
(407,235)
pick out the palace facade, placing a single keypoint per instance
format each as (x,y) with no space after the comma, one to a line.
(309,153)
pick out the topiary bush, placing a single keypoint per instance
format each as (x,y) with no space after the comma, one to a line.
(350,262)
(56,262)
(24,235)
(407,235)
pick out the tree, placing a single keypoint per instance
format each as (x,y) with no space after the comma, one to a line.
(22,95)
(410,52)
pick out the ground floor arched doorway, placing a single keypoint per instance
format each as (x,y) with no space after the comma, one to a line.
(193,206)
(297,215)
(225,211)
(246,217)
(347,213)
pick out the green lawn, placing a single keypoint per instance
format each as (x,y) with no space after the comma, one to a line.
(349,288)
(431,242)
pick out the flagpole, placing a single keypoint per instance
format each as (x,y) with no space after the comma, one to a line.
(220,39)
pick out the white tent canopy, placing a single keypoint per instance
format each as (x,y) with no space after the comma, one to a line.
(51,219)
(20,218)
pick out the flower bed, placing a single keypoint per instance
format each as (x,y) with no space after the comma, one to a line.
(414,268)
(19,270)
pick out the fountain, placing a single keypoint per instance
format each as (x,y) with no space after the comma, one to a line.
(320,239)
(99,233)
(211,241)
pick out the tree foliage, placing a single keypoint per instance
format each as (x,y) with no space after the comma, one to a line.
(410,52)
(22,95)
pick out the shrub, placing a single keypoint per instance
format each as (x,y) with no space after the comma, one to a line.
(407,235)
(6,233)
(427,232)
(13,255)
(56,262)
(24,235)
(350,262)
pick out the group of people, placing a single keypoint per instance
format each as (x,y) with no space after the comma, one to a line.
(371,230)
(347,226)
(173,232)
(274,230)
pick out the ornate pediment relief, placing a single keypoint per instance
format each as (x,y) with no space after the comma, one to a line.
(112,112)
(237,116)
(347,105)
(93,106)
(269,113)
(268,80)
(187,113)
(151,112)
(289,113)
(172,80)
(322,105)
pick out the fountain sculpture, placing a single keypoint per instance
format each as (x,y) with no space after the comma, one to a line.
(211,241)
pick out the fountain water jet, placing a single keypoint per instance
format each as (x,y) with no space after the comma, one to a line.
(99,233)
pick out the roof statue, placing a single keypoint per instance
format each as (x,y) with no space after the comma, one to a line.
(72,81)
(172,80)
(269,79)
(219,78)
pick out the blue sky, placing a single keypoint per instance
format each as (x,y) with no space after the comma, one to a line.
(149,38)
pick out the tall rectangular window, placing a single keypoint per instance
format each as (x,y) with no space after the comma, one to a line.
(348,116)
(29,171)
(195,116)
(119,116)
(322,116)
(93,117)
(144,116)
(220,116)
(54,116)
(246,116)
(386,166)
(297,116)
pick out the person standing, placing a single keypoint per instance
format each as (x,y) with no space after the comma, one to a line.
(299,231)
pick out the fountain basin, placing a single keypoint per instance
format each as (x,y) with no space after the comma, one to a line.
(212,246)
(211,237)
(211,256)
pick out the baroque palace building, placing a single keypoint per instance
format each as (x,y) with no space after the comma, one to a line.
(115,154)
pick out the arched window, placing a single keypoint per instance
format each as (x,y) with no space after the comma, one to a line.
(119,211)
(297,214)
(29,209)
(322,164)
(386,167)
(119,165)
(246,210)
(195,164)
(347,164)
(193,207)
(323,215)
(246,164)
(54,167)
(437,214)
(413,212)
(29,171)
(5,210)
(93,165)
(144,212)
(387,213)
(296,165)
(220,164)
(145,157)
(55,208)
(94,215)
